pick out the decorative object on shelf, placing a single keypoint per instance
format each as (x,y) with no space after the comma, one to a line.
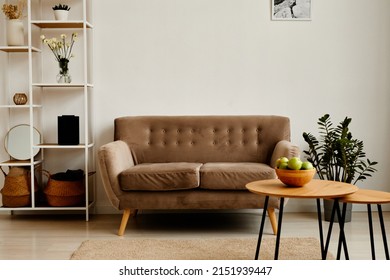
(15,28)
(65,188)
(68,130)
(337,156)
(17,187)
(17,143)
(63,76)
(61,12)
(291,9)
(62,51)
(15,32)
(20,98)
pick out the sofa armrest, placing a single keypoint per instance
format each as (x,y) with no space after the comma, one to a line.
(284,148)
(114,158)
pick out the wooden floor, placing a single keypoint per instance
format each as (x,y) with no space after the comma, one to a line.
(24,237)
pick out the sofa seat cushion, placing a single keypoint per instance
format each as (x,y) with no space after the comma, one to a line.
(160,177)
(233,175)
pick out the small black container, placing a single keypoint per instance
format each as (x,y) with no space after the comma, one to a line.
(68,130)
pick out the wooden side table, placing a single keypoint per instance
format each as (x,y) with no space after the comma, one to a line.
(369,197)
(317,189)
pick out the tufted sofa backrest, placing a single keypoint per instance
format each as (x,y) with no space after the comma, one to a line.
(156,139)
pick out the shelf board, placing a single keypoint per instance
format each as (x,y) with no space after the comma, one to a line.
(37,208)
(18,49)
(41,206)
(54,85)
(20,106)
(19,162)
(56,146)
(61,24)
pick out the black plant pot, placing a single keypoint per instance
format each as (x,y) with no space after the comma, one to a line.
(328,205)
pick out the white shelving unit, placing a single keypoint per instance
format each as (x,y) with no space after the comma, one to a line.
(47,99)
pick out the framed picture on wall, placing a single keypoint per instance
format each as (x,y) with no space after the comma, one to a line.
(291,9)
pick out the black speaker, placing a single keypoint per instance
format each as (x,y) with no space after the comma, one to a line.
(68,130)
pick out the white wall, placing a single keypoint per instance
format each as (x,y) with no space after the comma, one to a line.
(176,57)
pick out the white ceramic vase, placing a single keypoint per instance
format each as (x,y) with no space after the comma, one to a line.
(15,32)
(61,15)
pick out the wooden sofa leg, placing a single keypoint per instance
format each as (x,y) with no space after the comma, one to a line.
(125,218)
(272,219)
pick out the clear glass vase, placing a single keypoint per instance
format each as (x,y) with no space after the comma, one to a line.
(63,76)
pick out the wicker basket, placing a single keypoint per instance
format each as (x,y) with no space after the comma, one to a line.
(17,188)
(64,193)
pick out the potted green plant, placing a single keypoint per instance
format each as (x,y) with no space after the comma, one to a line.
(61,12)
(337,156)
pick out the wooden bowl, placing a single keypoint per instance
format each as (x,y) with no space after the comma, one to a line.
(295,178)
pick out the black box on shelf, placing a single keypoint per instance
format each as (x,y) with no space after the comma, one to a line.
(68,130)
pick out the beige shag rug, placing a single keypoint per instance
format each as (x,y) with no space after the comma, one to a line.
(302,248)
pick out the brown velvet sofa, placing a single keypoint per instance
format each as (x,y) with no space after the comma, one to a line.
(192,162)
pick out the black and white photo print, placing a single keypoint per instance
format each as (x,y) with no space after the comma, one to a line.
(291,9)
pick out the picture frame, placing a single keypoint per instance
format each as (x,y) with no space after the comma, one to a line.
(294,10)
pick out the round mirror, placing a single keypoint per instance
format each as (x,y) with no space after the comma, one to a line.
(17,143)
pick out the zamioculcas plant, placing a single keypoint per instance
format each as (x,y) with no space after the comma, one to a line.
(336,155)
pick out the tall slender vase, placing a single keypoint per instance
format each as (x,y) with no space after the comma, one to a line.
(15,32)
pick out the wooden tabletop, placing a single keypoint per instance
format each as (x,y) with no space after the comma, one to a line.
(364,196)
(316,188)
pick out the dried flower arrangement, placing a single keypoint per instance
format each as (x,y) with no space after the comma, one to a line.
(60,48)
(14,11)
(62,51)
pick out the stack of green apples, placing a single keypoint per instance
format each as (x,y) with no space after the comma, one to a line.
(294,163)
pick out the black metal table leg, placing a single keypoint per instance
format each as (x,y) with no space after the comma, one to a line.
(341,218)
(342,240)
(326,247)
(338,256)
(262,227)
(279,228)
(372,242)
(319,216)
(383,231)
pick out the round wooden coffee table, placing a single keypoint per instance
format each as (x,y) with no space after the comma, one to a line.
(364,196)
(315,189)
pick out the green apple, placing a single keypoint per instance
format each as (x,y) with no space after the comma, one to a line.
(307,165)
(281,160)
(284,159)
(294,163)
(283,165)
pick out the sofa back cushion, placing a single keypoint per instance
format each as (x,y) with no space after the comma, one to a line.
(157,139)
